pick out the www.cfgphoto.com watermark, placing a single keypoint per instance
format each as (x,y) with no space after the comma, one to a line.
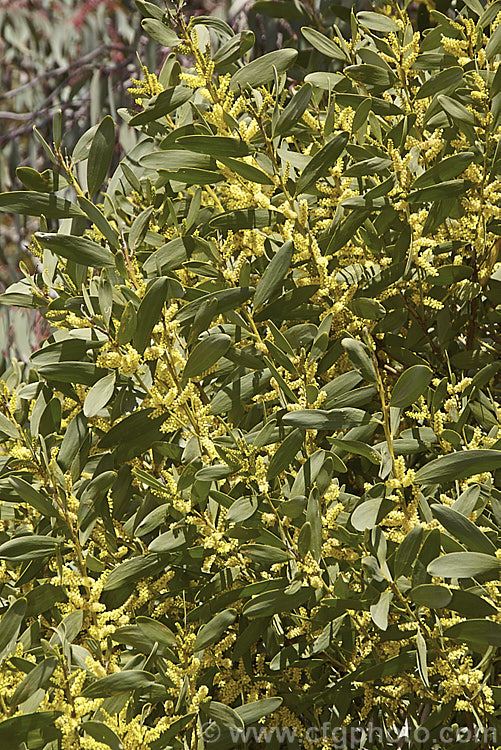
(340,738)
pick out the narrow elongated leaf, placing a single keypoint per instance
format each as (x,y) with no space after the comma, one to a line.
(214,145)
(376,21)
(213,630)
(484,632)
(37,678)
(99,395)
(319,164)
(440,82)
(100,154)
(360,359)
(316,419)
(260,70)
(131,570)
(102,733)
(463,565)
(372,75)
(10,624)
(274,274)
(458,466)
(411,384)
(120,682)
(463,529)
(78,249)
(323,44)
(162,104)
(25,548)
(294,110)
(149,312)
(285,453)
(35,204)
(206,353)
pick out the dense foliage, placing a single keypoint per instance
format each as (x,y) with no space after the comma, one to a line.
(254,475)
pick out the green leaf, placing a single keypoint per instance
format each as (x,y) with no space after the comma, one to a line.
(8,429)
(440,82)
(411,384)
(168,542)
(294,110)
(78,249)
(463,565)
(98,218)
(380,611)
(226,299)
(370,309)
(357,447)
(458,113)
(214,472)
(102,733)
(285,453)
(319,164)
(138,228)
(316,419)
(28,494)
(438,192)
(493,46)
(458,466)
(450,274)
(252,712)
(131,570)
(374,165)
(99,395)
(483,632)
(35,204)
(10,625)
(213,630)
(26,548)
(36,181)
(156,631)
(421,659)
(246,218)
(160,32)
(274,602)
(431,595)
(377,21)
(176,159)
(162,104)
(265,554)
(359,358)
(120,682)
(205,354)
(247,171)
(225,715)
(149,312)
(100,154)
(37,678)
(214,145)
(368,514)
(445,169)
(323,44)
(407,551)
(260,70)
(463,529)
(274,274)
(371,75)
(17,729)
(128,324)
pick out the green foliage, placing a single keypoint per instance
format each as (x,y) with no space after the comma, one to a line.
(254,471)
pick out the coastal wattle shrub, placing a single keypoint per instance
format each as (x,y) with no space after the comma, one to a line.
(252,479)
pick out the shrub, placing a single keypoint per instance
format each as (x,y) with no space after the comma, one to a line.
(253,475)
